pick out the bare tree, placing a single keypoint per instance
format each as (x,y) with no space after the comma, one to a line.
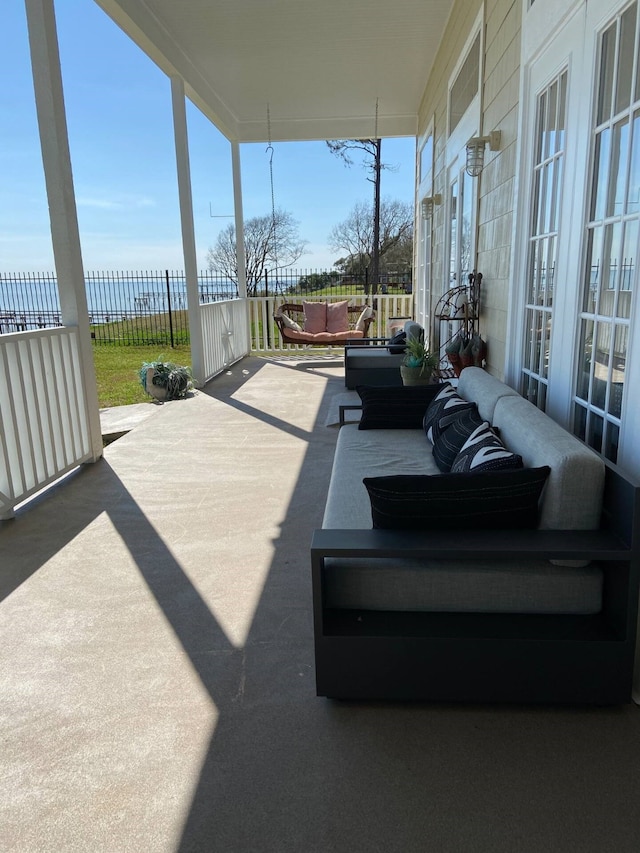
(271,243)
(356,235)
(372,147)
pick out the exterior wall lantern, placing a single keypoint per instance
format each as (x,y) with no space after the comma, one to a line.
(427,204)
(475,151)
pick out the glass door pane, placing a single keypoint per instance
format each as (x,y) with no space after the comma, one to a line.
(612,234)
(548,170)
(453,233)
(461,249)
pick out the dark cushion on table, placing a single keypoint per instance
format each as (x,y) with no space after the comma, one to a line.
(394,407)
(397,343)
(483,451)
(488,500)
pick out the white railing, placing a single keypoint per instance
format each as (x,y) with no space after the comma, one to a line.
(44,429)
(265,336)
(225,334)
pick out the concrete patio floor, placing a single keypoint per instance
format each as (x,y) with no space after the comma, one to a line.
(157,686)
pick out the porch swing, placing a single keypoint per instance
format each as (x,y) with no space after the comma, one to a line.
(335,322)
(319,324)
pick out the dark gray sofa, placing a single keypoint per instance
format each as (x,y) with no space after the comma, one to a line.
(524,616)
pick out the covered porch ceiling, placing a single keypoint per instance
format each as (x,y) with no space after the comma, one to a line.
(319,65)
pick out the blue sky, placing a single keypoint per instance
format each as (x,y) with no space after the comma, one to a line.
(121,137)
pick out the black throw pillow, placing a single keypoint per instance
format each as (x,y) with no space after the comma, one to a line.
(397,343)
(394,406)
(491,500)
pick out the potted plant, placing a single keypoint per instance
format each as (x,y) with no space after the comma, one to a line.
(418,363)
(165,380)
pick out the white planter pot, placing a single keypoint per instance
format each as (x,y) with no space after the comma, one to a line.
(156,391)
(414,375)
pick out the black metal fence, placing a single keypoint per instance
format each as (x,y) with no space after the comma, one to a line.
(149,308)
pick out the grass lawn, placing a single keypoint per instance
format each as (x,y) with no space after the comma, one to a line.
(117,369)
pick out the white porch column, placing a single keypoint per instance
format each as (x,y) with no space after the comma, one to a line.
(188,231)
(54,142)
(239,214)
(239,220)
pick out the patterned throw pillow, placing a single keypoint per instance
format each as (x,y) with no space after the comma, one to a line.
(444,404)
(483,451)
(490,500)
(450,433)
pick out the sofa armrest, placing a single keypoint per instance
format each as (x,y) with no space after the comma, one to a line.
(348,407)
(470,544)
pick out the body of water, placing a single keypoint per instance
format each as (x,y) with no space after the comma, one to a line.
(30,301)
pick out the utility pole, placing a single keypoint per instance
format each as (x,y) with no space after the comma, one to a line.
(375,260)
(372,147)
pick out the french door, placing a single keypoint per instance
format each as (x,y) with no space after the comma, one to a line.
(580,209)
(461,225)
(612,228)
(542,250)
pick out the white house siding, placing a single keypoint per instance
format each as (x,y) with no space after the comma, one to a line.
(461,23)
(500,93)
(434,106)
(497,183)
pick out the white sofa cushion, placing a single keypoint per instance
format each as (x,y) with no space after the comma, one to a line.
(476,384)
(371,453)
(572,498)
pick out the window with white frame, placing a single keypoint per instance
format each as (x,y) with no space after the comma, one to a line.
(461,207)
(426,159)
(465,86)
(613,226)
(424,234)
(548,169)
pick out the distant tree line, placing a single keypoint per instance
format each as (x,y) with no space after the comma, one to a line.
(273,244)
